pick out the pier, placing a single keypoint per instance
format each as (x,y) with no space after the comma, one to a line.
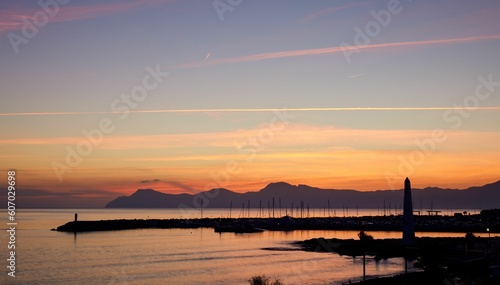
(470,223)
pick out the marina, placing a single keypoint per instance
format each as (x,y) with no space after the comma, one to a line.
(434,223)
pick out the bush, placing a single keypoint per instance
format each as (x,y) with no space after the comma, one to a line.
(363,236)
(264,280)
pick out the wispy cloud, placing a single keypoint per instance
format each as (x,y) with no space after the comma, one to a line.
(13,19)
(296,136)
(357,75)
(149,181)
(351,154)
(331,50)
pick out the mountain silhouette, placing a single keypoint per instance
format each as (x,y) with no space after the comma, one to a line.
(284,194)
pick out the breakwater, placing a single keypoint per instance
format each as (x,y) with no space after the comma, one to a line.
(472,223)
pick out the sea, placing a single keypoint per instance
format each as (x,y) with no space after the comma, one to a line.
(176,256)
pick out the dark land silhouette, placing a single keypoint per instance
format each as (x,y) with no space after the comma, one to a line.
(285,195)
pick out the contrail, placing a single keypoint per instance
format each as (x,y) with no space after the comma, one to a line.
(336,49)
(206,57)
(247,110)
(356,75)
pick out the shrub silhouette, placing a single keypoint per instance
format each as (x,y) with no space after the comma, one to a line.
(363,236)
(263,280)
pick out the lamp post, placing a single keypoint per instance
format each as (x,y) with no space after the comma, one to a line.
(489,236)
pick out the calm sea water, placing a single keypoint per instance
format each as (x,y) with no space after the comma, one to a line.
(172,256)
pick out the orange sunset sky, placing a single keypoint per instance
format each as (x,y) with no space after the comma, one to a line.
(109,97)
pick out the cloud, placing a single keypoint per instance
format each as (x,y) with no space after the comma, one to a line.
(13,19)
(356,75)
(224,145)
(149,181)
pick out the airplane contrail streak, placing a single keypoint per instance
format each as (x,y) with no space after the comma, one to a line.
(246,110)
(206,57)
(329,50)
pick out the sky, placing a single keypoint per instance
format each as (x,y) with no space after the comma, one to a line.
(101,98)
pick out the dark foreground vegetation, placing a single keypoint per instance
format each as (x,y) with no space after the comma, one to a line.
(466,260)
(264,280)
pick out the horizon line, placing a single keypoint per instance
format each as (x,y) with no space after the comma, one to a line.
(248,110)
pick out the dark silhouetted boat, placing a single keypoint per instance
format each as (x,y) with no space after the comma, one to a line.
(238,228)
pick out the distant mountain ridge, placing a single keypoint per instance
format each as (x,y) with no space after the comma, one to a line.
(284,194)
